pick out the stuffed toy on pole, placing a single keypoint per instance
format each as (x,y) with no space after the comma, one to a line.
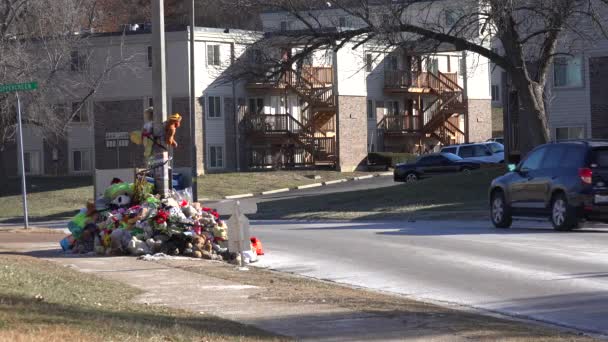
(159,83)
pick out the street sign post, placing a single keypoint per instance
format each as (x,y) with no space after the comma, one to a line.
(16,88)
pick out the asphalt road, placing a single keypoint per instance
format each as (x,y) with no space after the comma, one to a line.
(528,271)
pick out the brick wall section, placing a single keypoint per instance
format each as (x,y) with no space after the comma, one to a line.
(117,116)
(598,80)
(352,132)
(61,166)
(480,120)
(230,131)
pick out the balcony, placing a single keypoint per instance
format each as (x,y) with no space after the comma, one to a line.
(418,81)
(400,124)
(310,76)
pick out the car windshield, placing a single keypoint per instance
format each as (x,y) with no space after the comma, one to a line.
(451,156)
(496,147)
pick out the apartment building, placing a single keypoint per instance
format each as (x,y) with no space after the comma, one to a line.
(329,110)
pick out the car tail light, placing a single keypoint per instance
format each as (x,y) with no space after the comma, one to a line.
(586,175)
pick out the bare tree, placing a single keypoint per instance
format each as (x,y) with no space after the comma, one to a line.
(49,41)
(531,32)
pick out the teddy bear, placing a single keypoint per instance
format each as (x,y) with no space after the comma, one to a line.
(171,126)
(154,245)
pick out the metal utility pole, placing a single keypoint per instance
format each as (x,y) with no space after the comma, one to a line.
(193,128)
(159,85)
(21,155)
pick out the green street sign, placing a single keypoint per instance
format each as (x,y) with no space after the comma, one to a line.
(9,88)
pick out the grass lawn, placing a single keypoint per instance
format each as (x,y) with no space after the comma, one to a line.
(447,196)
(40,300)
(216,186)
(61,197)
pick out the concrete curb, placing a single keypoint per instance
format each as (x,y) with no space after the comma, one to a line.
(337,181)
(239,196)
(275,191)
(310,186)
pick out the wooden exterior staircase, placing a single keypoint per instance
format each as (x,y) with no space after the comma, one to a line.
(448,100)
(291,142)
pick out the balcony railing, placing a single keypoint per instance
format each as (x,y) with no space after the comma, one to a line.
(419,79)
(317,77)
(401,123)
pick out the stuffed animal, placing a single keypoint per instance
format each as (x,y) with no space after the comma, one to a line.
(171,126)
(120,239)
(137,247)
(154,245)
(119,194)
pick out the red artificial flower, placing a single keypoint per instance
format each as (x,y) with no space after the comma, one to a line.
(184,203)
(162,217)
(206,209)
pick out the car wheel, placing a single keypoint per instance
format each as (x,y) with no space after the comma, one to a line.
(411,178)
(500,212)
(563,216)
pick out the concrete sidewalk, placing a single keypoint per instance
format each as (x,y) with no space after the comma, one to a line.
(173,287)
(164,285)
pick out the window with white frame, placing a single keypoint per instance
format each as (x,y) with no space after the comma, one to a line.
(451,17)
(568,72)
(31,163)
(215,107)
(370,109)
(256,105)
(81,161)
(565,133)
(285,25)
(149,55)
(369,62)
(495,92)
(213,55)
(216,156)
(79,112)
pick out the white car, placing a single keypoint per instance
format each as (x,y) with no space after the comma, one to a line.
(487,152)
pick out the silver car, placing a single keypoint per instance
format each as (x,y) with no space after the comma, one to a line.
(487,152)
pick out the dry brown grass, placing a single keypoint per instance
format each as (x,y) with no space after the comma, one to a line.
(40,300)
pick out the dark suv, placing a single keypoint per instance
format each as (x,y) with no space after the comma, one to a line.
(566,181)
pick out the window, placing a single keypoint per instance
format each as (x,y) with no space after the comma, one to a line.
(80,161)
(285,25)
(480,151)
(567,72)
(390,63)
(256,106)
(342,22)
(149,56)
(393,107)
(78,61)
(495,93)
(533,160)
(213,55)
(565,133)
(600,157)
(553,157)
(466,152)
(255,55)
(496,147)
(449,150)
(369,62)
(79,113)
(370,109)
(451,17)
(31,163)
(215,107)
(216,156)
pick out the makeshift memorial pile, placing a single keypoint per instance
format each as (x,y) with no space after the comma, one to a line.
(130,220)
